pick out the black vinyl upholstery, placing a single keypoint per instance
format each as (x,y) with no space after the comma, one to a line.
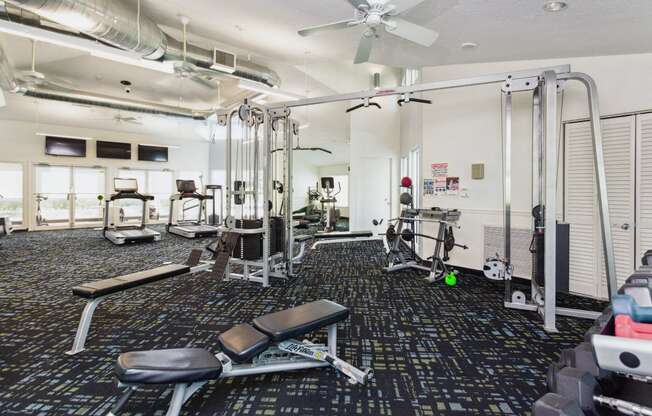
(243,342)
(343,234)
(301,320)
(183,365)
(105,287)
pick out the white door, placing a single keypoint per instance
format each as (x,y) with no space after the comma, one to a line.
(371,196)
(587,274)
(643,224)
(619,137)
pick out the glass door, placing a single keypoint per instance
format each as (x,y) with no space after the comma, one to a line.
(52,205)
(11,191)
(88,184)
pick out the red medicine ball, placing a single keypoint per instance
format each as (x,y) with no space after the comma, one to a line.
(406,182)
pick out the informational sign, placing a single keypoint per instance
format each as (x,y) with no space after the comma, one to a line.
(453,185)
(439,169)
(428,187)
(439,175)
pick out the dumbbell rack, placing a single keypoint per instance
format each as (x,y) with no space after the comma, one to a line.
(585,377)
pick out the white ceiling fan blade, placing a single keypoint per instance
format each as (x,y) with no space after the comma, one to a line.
(364,49)
(414,33)
(400,6)
(344,24)
(358,3)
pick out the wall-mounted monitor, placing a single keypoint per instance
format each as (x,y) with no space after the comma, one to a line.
(152,153)
(113,150)
(63,146)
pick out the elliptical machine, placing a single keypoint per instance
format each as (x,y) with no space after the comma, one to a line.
(329,214)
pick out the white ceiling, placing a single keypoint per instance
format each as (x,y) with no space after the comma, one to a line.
(504,29)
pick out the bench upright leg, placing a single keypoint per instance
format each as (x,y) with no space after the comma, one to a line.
(178,398)
(84,326)
(332,339)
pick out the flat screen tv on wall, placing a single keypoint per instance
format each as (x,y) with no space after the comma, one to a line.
(63,146)
(152,153)
(113,150)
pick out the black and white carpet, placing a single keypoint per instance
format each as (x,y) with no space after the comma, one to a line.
(435,349)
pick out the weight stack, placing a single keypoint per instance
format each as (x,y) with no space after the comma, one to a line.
(538,258)
(277,234)
(249,246)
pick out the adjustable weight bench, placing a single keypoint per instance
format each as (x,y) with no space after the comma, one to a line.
(95,292)
(266,346)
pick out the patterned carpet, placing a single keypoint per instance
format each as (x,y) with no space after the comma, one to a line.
(435,349)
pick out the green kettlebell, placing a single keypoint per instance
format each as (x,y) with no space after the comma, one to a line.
(451,279)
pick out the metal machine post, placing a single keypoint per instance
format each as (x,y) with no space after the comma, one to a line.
(550,215)
(267,163)
(507,188)
(290,128)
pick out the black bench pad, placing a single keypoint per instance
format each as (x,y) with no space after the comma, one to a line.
(302,238)
(301,320)
(243,342)
(183,365)
(343,234)
(105,287)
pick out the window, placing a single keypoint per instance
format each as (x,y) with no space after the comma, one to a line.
(11,191)
(404,167)
(343,197)
(410,77)
(157,183)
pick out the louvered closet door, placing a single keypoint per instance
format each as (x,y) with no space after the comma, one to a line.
(579,208)
(644,186)
(619,136)
(586,255)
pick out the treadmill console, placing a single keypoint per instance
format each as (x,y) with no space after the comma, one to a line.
(125,185)
(186,187)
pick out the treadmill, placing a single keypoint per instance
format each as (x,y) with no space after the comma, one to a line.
(128,189)
(190,229)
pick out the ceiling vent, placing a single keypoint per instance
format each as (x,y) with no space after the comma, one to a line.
(223,61)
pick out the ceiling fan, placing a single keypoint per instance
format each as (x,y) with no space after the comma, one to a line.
(376,14)
(33,78)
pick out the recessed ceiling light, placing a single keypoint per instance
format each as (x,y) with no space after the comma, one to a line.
(469,45)
(555,6)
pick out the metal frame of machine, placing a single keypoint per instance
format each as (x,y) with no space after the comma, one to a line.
(545,83)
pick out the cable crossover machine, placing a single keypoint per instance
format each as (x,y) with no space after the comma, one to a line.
(544,84)
(257,231)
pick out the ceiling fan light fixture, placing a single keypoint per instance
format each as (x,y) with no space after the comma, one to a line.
(555,6)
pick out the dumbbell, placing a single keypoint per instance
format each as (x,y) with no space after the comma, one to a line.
(578,386)
(582,358)
(555,405)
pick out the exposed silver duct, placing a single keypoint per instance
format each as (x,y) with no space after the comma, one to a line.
(123,25)
(98,100)
(7,78)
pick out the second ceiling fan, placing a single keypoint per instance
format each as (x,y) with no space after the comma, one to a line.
(376,14)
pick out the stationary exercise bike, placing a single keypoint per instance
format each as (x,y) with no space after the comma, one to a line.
(329,214)
(40,220)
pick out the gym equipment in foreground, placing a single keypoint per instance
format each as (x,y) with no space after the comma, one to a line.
(607,363)
(127,188)
(95,292)
(187,190)
(267,346)
(214,219)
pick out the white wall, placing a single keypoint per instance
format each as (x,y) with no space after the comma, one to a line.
(374,134)
(19,143)
(463,127)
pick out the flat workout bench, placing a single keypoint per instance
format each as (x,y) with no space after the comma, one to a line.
(266,346)
(95,292)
